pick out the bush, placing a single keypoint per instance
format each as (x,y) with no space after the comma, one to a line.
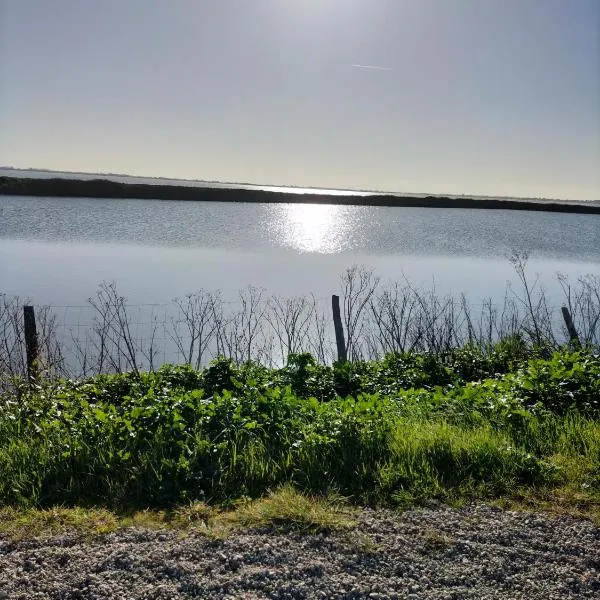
(402,429)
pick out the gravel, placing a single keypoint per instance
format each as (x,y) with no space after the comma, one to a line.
(430,553)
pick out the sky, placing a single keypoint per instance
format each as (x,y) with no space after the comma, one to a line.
(487,97)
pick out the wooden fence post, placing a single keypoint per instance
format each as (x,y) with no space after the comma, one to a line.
(31,342)
(570,326)
(339,329)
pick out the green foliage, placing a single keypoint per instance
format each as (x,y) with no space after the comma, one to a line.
(219,376)
(471,362)
(403,429)
(567,381)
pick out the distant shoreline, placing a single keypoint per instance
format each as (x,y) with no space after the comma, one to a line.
(105,188)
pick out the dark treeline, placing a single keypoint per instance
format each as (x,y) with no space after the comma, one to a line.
(104,188)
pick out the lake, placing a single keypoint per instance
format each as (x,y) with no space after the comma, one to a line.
(57,250)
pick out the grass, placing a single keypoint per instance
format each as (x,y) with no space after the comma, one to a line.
(558,502)
(21,523)
(285,509)
(182,448)
(435,542)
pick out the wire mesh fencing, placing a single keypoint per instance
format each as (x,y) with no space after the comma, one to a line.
(110,335)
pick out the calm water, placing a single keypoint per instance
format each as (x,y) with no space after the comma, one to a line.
(57,250)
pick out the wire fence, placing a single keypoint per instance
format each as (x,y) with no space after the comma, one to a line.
(194,330)
(109,335)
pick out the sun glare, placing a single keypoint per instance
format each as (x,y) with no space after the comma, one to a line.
(313,227)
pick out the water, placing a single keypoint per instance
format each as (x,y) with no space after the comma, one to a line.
(56,250)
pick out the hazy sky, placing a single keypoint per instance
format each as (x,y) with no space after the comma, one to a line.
(497,97)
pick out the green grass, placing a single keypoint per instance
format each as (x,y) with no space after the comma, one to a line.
(393,432)
(288,510)
(285,509)
(21,523)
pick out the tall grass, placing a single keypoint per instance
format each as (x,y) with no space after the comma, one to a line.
(179,435)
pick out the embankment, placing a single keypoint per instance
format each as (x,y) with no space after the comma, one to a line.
(104,188)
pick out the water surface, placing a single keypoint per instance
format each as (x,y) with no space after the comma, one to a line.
(58,249)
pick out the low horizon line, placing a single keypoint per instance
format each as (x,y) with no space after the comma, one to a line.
(290,186)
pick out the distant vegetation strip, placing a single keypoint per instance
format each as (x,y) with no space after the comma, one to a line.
(104,188)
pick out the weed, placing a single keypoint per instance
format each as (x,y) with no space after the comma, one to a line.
(156,440)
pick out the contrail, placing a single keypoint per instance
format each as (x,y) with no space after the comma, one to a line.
(372,67)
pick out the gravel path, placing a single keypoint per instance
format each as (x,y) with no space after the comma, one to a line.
(442,553)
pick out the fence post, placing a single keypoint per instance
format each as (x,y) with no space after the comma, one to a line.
(31,342)
(339,329)
(570,326)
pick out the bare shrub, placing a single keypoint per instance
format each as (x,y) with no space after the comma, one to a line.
(536,324)
(290,320)
(114,348)
(378,319)
(242,336)
(358,286)
(320,342)
(583,303)
(392,312)
(195,326)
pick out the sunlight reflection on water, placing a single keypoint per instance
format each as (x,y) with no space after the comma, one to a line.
(59,249)
(313,227)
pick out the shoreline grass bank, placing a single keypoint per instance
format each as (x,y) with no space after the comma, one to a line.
(104,188)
